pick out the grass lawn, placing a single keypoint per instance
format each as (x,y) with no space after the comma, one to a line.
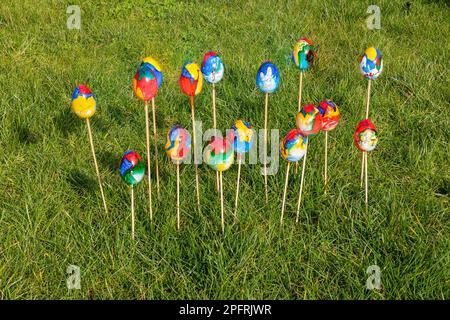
(51,214)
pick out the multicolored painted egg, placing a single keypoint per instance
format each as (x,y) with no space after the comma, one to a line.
(303,54)
(309,120)
(366,137)
(330,114)
(145,84)
(268,77)
(241,136)
(131,169)
(293,146)
(191,79)
(212,67)
(155,66)
(83,102)
(178,143)
(219,154)
(371,64)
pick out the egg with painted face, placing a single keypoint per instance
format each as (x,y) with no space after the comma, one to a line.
(268,77)
(83,102)
(371,64)
(366,137)
(212,67)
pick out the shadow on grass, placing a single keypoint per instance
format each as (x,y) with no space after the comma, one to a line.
(109,160)
(66,122)
(80,182)
(26,136)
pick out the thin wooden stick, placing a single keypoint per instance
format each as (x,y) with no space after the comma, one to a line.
(368,98)
(178,196)
(149,168)
(215,125)
(326,160)
(156,147)
(221,202)
(366,179)
(284,193)
(194,148)
(214,105)
(132,213)
(91,141)
(237,188)
(300,87)
(301,182)
(266,104)
(362,168)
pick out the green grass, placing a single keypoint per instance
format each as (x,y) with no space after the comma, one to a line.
(50,207)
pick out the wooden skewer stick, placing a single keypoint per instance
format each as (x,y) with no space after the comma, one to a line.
(265,145)
(147,133)
(362,168)
(178,196)
(367,117)
(132,213)
(221,202)
(194,148)
(215,124)
(156,147)
(284,193)
(302,182)
(366,179)
(326,160)
(300,87)
(95,164)
(237,187)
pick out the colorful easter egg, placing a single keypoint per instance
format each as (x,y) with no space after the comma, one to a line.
(219,154)
(241,136)
(309,120)
(330,114)
(212,67)
(371,64)
(191,79)
(131,167)
(155,66)
(83,102)
(178,143)
(366,137)
(293,146)
(268,77)
(145,84)
(303,54)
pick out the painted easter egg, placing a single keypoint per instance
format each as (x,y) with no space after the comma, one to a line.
(191,79)
(371,64)
(212,67)
(241,136)
(309,120)
(330,114)
(303,54)
(219,154)
(145,84)
(366,137)
(83,102)
(132,169)
(268,77)
(178,143)
(293,146)
(155,66)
